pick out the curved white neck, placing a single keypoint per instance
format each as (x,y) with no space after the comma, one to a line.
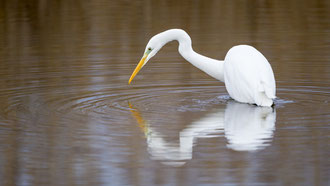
(212,67)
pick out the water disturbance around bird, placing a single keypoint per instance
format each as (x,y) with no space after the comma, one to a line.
(69,117)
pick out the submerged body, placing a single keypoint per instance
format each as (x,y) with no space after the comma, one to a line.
(247,75)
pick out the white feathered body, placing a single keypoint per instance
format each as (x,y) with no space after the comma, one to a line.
(248,76)
(245,71)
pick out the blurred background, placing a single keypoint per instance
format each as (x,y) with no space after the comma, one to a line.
(68,117)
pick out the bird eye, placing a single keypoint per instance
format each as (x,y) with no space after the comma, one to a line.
(149,48)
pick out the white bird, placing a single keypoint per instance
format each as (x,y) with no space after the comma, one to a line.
(247,75)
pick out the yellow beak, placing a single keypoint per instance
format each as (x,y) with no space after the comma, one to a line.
(138,68)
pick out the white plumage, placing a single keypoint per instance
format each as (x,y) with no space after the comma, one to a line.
(247,75)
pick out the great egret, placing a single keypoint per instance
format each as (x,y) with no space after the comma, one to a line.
(247,75)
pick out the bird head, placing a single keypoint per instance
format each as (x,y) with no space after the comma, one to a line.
(153,46)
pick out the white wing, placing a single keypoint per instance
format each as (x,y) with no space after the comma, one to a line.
(248,76)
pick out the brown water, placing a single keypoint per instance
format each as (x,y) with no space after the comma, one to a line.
(68,116)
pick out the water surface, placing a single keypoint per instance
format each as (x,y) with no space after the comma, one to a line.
(67,115)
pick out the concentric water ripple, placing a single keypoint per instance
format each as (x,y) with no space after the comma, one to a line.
(192,97)
(116,99)
(197,97)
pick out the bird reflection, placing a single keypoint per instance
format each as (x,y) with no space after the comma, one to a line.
(246,128)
